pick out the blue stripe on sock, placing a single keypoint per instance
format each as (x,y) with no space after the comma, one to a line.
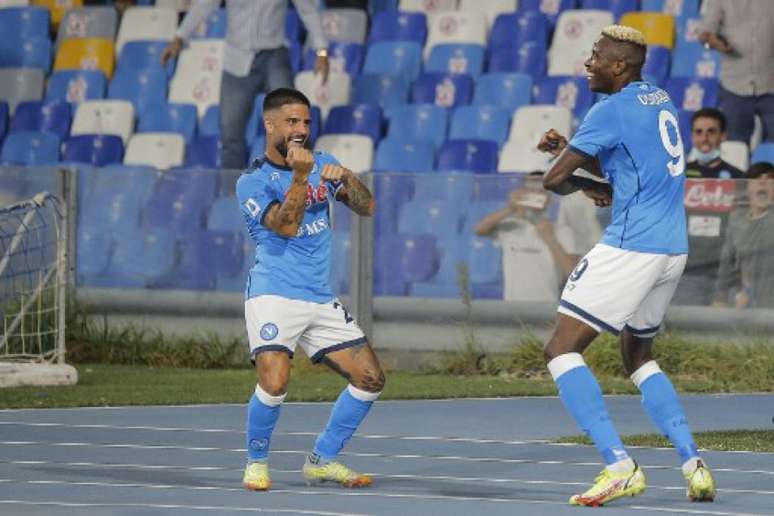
(260,425)
(663,406)
(582,397)
(347,414)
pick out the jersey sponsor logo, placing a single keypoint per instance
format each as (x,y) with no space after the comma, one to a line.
(710,195)
(314,195)
(269,331)
(312,228)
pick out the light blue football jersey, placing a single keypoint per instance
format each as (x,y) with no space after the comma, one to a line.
(635,135)
(297,267)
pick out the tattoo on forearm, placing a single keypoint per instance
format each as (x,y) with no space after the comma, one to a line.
(291,211)
(358,198)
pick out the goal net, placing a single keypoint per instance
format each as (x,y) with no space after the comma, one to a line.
(33,289)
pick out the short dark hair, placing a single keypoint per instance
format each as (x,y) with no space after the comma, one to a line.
(762,168)
(275,99)
(709,112)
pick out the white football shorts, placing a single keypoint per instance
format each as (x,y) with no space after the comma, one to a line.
(611,288)
(276,323)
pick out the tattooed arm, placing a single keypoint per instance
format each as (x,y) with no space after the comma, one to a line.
(353,193)
(284,219)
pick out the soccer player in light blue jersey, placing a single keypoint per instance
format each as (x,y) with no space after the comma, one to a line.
(285,198)
(624,284)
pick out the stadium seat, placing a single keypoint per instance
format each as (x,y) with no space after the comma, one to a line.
(88,22)
(58,8)
(439,218)
(203,152)
(692,94)
(735,153)
(400,259)
(394,57)
(335,92)
(550,8)
(478,156)
(763,152)
(679,9)
(455,188)
(390,192)
(86,54)
(140,87)
(491,8)
(529,58)
(93,253)
(21,23)
(688,30)
(353,151)
(213,27)
(684,123)
(50,117)
(455,27)
(482,122)
(355,119)
(224,215)
(93,149)
(342,58)
(693,60)
(488,189)
(76,86)
(142,55)
(140,258)
(257,148)
(160,150)
(384,90)
(136,180)
(485,268)
(202,255)
(395,155)
(30,148)
(399,26)
(510,31)
(3,119)
(518,157)
(14,3)
(657,64)
(418,122)
(104,117)
(209,124)
(173,207)
(456,58)
(146,23)
(198,75)
(520,153)
(179,6)
(576,32)
(566,91)
(341,247)
(441,89)
(427,6)
(110,210)
(169,118)
(616,7)
(659,29)
(507,91)
(27,53)
(344,25)
(445,282)
(20,84)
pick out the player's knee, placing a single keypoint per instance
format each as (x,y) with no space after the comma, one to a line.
(370,379)
(274,382)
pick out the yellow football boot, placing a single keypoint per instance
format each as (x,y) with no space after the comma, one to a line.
(609,486)
(701,485)
(334,472)
(256,477)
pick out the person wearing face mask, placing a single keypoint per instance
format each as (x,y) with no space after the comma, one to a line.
(746,276)
(708,132)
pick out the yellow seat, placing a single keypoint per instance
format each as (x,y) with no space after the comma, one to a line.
(58,8)
(658,28)
(86,54)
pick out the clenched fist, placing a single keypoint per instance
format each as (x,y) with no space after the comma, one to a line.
(335,173)
(552,142)
(300,160)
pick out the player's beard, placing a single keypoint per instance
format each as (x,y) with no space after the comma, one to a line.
(282,146)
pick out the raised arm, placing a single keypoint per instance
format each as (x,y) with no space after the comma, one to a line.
(352,192)
(285,218)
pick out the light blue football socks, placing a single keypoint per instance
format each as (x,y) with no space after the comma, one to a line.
(348,412)
(262,414)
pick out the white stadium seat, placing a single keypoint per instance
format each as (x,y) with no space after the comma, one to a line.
(491,8)
(455,27)
(177,5)
(143,23)
(198,75)
(428,6)
(160,150)
(14,3)
(529,123)
(104,117)
(354,151)
(20,84)
(575,34)
(335,92)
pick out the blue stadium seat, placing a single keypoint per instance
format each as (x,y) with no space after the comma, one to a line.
(224,215)
(203,255)
(693,60)
(391,192)
(170,118)
(439,218)
(563,90)
(20,23)
(617,7)
(355,119)
(763,152)
(173,208)
(94,149)
(209,124)
(254,127)
(76,85)
(48,117)
(684,121)
(140,87)
(680,10)
(481,123)
(340,249)
(442,89)
(478,156)
(486,263)
(692,94)
(396,155)
(144,55)
(394,58)
(199,185)
(119,178)
(399,26)
(342,57)
(551,9)
(456,58)
(93,253)
(28,53)
(4,119)
(657,64)
(203,152)
(495,187)
(505,90)
(112,210)
(452,187)
(529,58)
(418,122)
(140,258)
(510,31)
(401,259)
(215,27)
(30,148)
(383,89)
(445,282)
(257,149)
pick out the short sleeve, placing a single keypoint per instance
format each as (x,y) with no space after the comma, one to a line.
(599,131)
(256,194)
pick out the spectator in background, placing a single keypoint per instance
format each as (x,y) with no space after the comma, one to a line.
(741,31)
(708,132)
(746,276)
(256,59)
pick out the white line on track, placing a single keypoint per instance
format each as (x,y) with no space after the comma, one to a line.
(691,511)
(219,508)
